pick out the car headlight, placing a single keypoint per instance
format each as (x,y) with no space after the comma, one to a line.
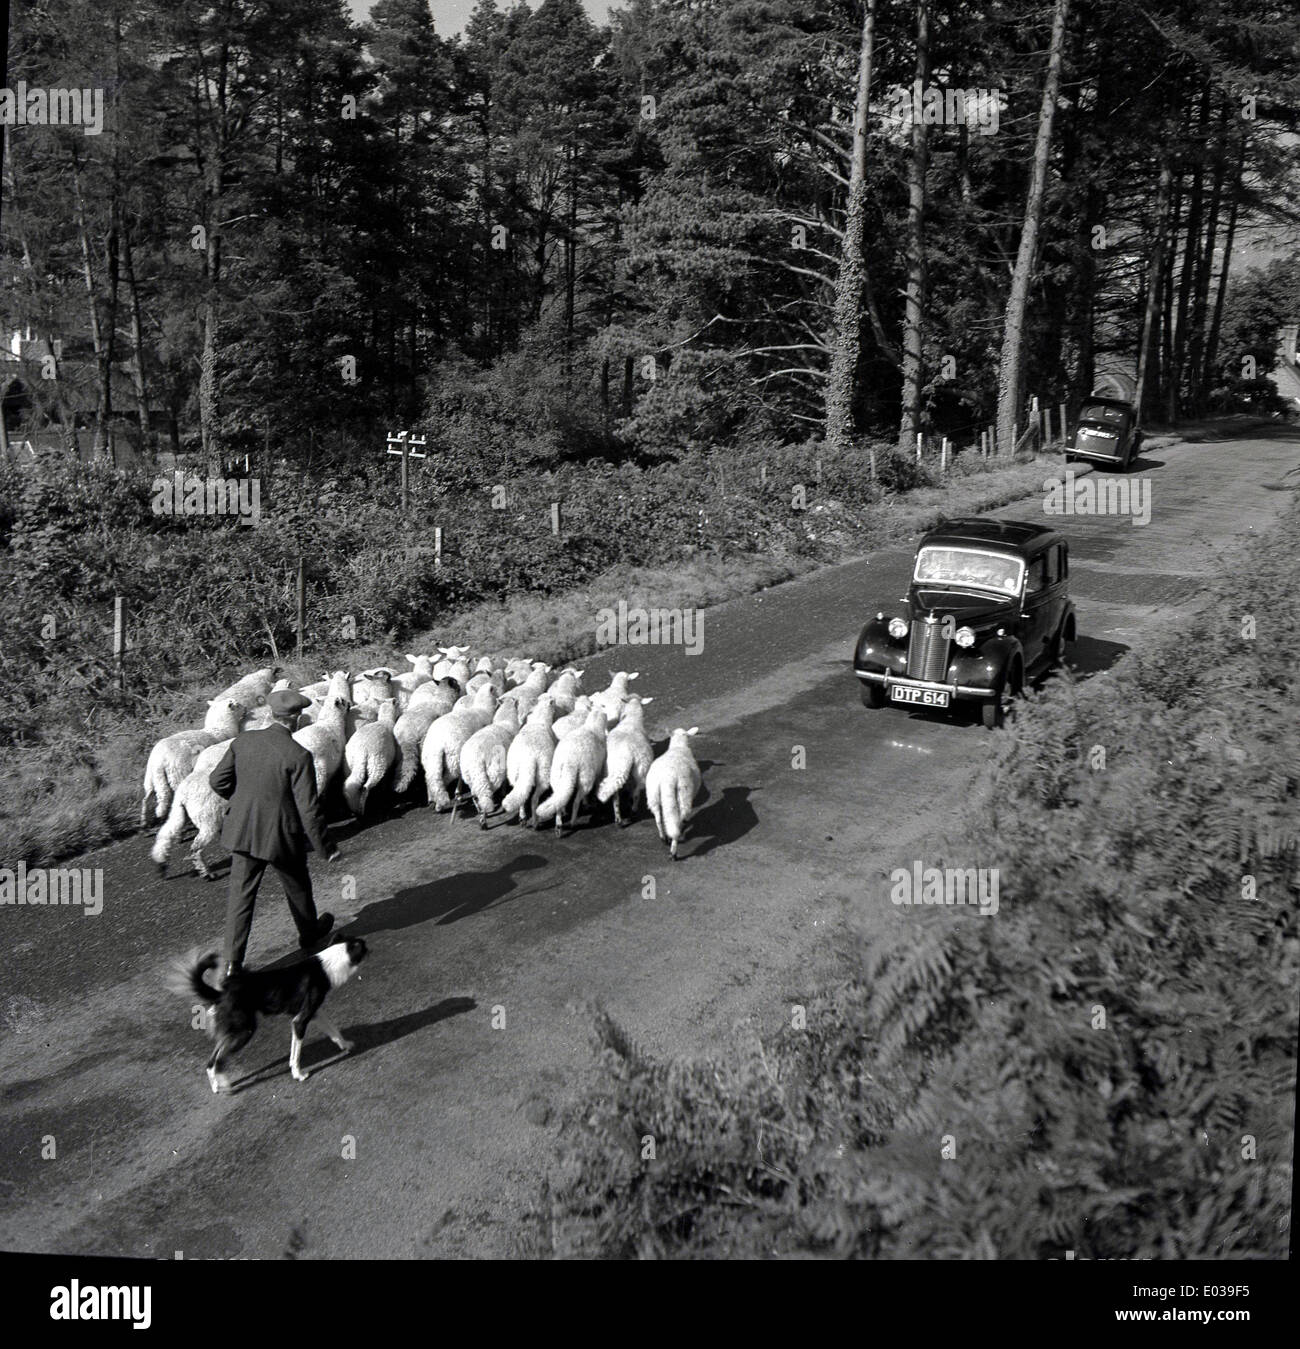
(898,628)
(964,637)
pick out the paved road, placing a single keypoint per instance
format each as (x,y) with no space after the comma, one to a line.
(425,1138)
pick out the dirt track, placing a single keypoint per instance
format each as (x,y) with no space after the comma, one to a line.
(452,1120)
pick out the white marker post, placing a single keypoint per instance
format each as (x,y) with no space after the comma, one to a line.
(119,640)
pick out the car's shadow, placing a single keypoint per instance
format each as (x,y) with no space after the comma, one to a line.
(1086,657)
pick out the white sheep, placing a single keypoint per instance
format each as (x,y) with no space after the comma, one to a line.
(576,718)
(453,657)
(260,717)
(172,758)
(496,678)
(528,762)
(527,693)
(429,702)
(576,768)
(440,751)
(611,699)
(483,760)
(373,687)
(565,690)
(325,738)
(196,802)
(439,693)
(628,756)
(252,689)
(405,684)
(370,754)
(422,673)
(671,787)
(518,668)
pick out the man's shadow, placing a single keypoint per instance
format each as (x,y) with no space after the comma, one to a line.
(446,899)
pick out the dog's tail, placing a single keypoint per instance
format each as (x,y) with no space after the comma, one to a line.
(186,977)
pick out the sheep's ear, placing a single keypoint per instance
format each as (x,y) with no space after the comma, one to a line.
(636,674)
(647,700)
(695,730)
(413,659)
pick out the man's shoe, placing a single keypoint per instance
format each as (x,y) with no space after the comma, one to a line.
(324,926)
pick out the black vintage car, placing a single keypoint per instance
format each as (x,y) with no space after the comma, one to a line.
(987,609)
(1106,433)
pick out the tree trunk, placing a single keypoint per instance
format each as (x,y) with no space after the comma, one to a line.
(1166,398)
(1201,288)
(1011,364)
(850,288)
(1155,275)
(1187,273)
(1234,196)
(914,313)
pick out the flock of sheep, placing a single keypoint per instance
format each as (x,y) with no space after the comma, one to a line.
(515,727)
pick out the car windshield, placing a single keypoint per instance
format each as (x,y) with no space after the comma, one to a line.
(968,567)
(1099,412)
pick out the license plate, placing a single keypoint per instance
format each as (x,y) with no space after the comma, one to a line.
(900,693)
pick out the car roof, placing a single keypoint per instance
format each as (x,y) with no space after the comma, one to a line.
(1002,536)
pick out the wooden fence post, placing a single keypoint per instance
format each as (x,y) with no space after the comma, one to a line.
(1065,428)
(920,438)
(437,547)
(555,517)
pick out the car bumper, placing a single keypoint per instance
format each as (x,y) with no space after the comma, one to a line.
(1096,456)
(887,680)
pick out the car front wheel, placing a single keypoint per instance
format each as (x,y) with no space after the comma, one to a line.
(872,696)
(995,712)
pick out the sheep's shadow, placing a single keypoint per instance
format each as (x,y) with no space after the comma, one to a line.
(319,1051)
(729,818)
(446,899)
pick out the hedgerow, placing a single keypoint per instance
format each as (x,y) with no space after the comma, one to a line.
(1105,1067)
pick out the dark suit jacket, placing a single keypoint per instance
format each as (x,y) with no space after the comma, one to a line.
(274,812)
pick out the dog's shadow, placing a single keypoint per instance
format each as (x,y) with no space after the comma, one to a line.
(319,1051)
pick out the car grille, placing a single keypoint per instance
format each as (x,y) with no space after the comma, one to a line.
(927,652)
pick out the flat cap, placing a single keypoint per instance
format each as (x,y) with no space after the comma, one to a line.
(285,702)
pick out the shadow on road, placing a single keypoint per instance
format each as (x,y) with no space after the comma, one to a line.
(446,899)
(729,818)
(1090,656)
(396,1028)
(318,1052)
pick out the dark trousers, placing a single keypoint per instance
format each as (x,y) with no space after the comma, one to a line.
(245,877)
